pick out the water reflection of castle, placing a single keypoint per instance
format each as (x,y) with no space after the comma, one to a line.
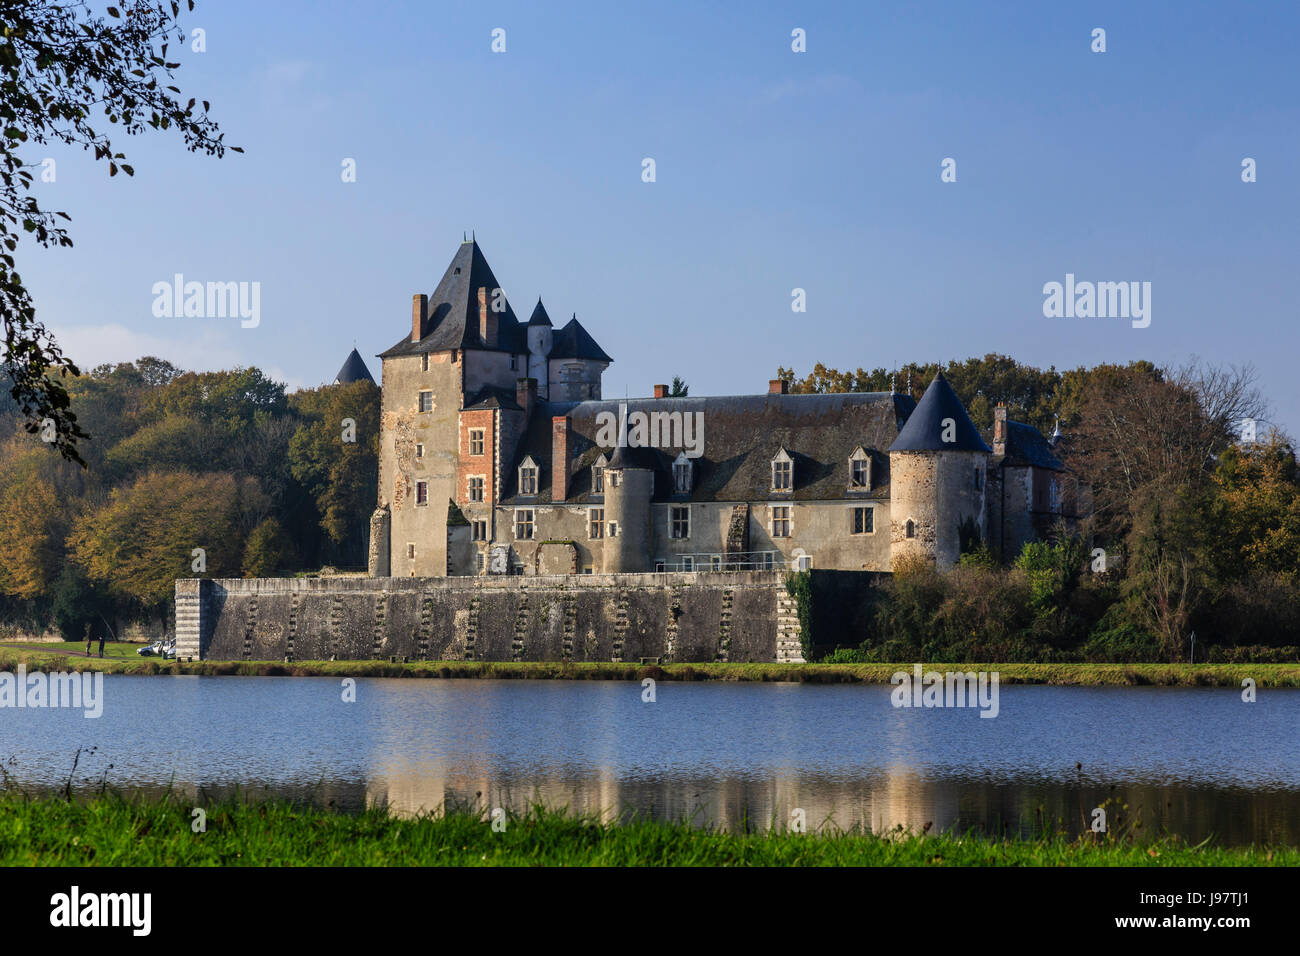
(880,802)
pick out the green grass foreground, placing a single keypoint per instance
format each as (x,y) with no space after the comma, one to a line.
(111,830)
(121,659)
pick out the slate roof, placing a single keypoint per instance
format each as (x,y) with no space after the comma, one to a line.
(493,397)
(1027,446)
(575,342)
(539,316)
(353,370)
(453,310)
(924,430)
(742,434)
(453,317)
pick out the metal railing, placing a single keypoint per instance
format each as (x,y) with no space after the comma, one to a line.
(736,561)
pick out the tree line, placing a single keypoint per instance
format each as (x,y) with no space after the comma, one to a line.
(259,480)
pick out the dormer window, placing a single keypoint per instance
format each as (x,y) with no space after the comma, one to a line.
(860,469)
(782,471)
(598,475)
(528,476)
(682,475)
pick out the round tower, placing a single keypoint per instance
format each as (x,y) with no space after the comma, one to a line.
(629,486)
(540,339)
(938,473)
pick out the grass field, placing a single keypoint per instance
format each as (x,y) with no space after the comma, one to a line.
(122,659)
(114,831)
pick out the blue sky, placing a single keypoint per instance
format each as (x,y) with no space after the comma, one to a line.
(775,171)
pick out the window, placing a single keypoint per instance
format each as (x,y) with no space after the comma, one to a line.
(478,562)
(688,563)
(476,441)
(679,522)
(768,561)
(782,472)
(421,492)
(682,475)
(979,479)
(860,469)
(803,563)
(596,522)
(476,488)
(659,567)
(597,480)
(426,401)
(478,530)
(715,562)
(864,520)
(524,523)
(781,521)
(424,362)
(613,479)
(419,450)
(514,364)
(528,477)
(410,551)
(910,529)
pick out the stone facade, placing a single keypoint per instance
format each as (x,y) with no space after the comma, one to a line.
(625,617)
(499,422)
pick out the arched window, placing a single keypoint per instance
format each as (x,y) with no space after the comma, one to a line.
(911,528)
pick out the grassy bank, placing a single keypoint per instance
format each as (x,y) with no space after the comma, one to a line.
(1068,675)
(114,831)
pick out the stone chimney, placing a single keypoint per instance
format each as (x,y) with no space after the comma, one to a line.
(487,319)
(1000,429)
(526,396)
(559,458)
(419,317)
(661,391)
(778,386)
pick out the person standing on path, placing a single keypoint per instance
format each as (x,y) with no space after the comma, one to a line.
(101,646)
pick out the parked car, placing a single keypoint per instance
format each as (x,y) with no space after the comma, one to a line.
(151,650)
(168,651)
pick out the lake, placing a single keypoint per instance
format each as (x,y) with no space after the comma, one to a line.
(1196,762)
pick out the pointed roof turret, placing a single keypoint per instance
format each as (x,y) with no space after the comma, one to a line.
(573,341)
(353,370)
(539,316)
(453,310)
(926,426)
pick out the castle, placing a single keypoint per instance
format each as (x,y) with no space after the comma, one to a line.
(498,455)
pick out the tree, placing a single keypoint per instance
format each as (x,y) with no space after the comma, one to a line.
(339,474)
(61,65)
(143,538)
(267,551)
(33,522)
(679,388)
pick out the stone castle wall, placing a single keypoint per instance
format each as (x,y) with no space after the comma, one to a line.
(700,617)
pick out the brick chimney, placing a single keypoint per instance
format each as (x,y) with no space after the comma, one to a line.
(419,317)
(487,319)
(1000,429)
(559,458)
(526,396)
(661,391)
(778,386)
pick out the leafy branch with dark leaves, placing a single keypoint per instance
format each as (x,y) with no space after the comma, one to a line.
(63,73)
